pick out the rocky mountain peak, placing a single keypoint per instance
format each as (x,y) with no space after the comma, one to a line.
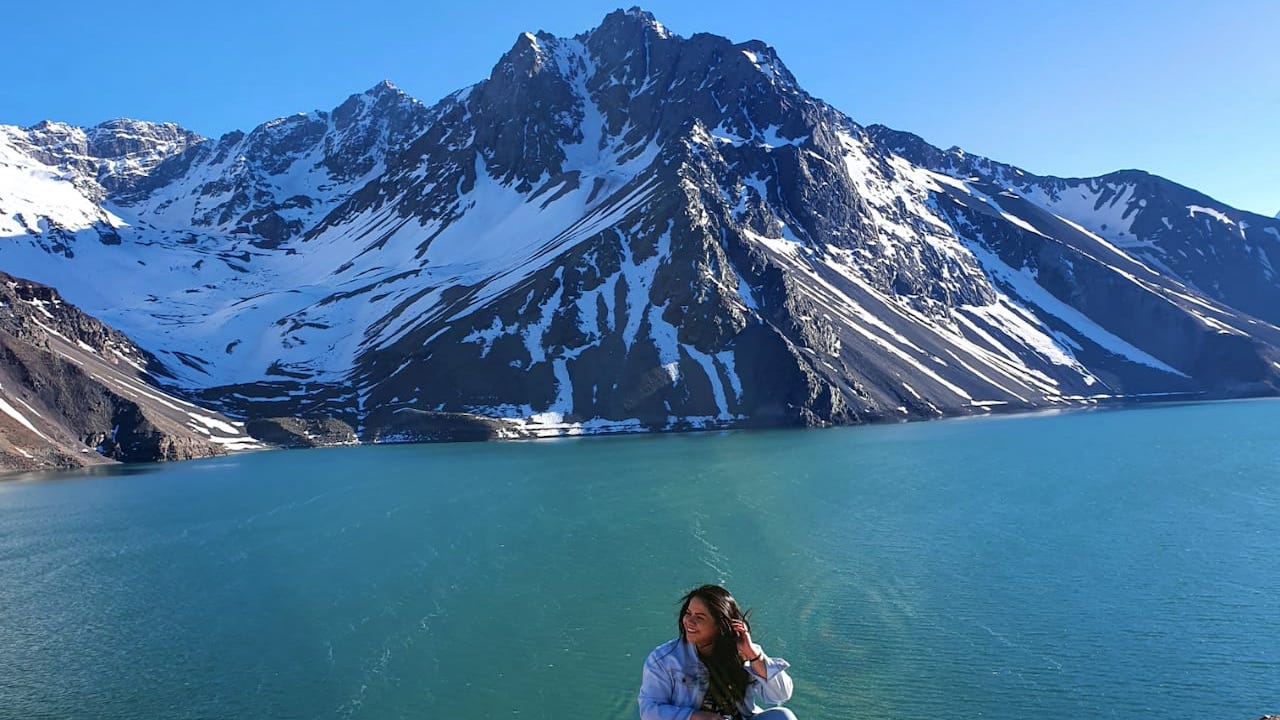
(367,125)
(527,109)
(130,149)
(766,60)
(108,157)
(272,183)
(622,85)
(124,136)
(385,87)
(634,24)
(634,42)
(54,130)
(525,59)
(118,140)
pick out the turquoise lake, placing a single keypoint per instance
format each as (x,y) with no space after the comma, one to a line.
(1105,564)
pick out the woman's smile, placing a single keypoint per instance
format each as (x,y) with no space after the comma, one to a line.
(699,626)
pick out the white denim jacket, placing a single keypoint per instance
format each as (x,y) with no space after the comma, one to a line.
(675,682)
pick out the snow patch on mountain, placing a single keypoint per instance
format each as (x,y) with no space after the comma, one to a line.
(1218,215)
(1023,282)
(36,198)
(13,412)
(1106,209)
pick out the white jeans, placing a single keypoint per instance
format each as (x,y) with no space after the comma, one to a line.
(778,713)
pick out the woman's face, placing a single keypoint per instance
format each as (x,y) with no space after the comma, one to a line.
(698,622)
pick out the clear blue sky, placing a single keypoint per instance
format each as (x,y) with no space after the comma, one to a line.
(1187,90)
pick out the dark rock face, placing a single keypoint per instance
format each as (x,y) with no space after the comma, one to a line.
(631,230)
(409,425)
(75,392)
(291,432)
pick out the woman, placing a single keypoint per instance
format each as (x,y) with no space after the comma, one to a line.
(713,671)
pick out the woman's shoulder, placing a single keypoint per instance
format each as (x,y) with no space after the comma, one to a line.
(668,649)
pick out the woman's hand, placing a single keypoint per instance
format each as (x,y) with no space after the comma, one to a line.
(746,648)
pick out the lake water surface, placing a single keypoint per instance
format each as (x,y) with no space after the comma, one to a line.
(1104,564)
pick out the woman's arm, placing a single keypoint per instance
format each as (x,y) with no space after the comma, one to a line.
(776,687)
(657,692)
(773,686)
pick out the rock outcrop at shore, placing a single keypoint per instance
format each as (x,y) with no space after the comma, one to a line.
(292,432)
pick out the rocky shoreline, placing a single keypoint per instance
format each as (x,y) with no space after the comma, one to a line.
(291,433)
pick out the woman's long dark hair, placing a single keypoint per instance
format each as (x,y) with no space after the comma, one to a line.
(728,678)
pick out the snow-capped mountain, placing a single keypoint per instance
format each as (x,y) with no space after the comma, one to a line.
(1185,235)
(629,229)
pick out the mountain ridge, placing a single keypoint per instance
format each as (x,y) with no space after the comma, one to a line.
(628,230)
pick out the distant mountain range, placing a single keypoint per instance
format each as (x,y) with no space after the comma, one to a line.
(627,230)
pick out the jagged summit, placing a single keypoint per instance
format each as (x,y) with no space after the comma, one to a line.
(632,47)
(119,125)
(385,93)
(112,156)
(633,22)
(130,125)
